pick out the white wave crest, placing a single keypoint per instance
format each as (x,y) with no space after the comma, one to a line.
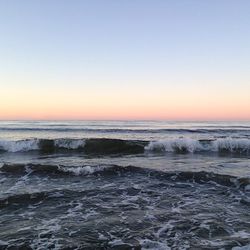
(70,143)
(173,145)
(19,146)
(231,145)
(84,170)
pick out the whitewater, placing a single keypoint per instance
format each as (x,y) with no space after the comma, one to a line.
(124,185)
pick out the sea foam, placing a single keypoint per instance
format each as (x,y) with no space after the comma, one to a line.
(108,146)
(231,145)
(175,145)
(19,146)
(70,143)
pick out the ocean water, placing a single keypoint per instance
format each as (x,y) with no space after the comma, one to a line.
(124,185)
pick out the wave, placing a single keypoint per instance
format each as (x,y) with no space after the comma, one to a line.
(199,177)
(54,169)
(202,177)
(45,145)
(175,145)
(88,145)
(69,143)
(188,145)
(117,146)
(66,170)
(99,146)
(17,146)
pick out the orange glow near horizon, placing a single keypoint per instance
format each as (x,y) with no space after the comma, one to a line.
(120,102)
(122,111)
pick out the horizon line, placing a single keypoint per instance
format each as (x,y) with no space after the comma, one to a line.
(132,119)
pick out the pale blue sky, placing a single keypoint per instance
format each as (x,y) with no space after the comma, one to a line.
(137,43)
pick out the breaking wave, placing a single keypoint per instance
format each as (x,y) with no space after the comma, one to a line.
(187,145)
(59,170)
(19,146)
(54,169)
(202,177)
(117,146)
(100,146)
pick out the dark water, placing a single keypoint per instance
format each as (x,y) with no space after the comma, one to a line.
(124,185)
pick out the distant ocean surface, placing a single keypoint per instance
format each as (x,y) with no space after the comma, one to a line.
(124,185)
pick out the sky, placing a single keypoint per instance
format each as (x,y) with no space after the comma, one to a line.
(125,59)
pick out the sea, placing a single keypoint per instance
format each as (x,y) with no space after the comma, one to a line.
(124,185)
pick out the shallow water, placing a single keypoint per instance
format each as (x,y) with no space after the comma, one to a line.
(148,185)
